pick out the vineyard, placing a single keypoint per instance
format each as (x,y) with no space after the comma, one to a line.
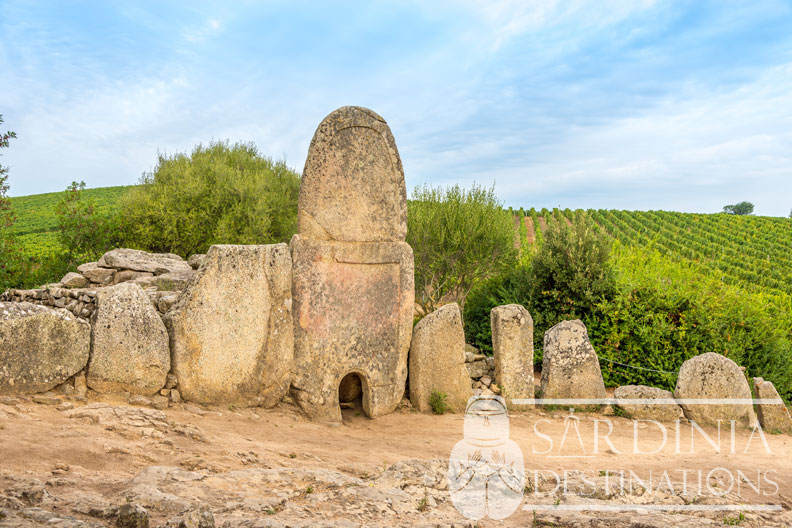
(36,224)
(752,252)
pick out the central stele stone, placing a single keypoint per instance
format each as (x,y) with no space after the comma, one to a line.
(353,289)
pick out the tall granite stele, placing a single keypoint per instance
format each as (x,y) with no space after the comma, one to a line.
(353,289)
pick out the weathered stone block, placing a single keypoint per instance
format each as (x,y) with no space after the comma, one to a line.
(40,347)
(662,412)
(512,347)
(130,349)
(352,314)
(570,368)
(133,259)
(774,417)
(437,360)
(231,329)
(714,376)
(74,280)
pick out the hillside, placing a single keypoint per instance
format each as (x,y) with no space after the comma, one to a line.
(36,224)
(752,252)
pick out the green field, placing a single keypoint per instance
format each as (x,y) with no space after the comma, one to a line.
(36,224)
(751,252)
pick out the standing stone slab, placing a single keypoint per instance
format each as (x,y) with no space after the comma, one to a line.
(570,368)
(40,347)
(512,346)
(130,349)
(714,376)
(774,417)
(352,271)
(437,360)
(662,412)
(231,329)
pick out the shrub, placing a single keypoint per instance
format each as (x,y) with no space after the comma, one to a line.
(220,193)
(437,401)
(566,278)
(83,232)
(666,312)
(459,236)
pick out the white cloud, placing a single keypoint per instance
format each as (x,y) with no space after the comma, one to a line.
(704,149)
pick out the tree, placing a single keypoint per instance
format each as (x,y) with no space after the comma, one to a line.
(10,256)
(83,231)
(459,237)
(220,193)
(742,208)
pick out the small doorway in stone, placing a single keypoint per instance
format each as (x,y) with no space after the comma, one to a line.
(350,398)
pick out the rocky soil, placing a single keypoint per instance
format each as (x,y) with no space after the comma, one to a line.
(68,461)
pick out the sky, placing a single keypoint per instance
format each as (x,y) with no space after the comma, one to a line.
(683,106)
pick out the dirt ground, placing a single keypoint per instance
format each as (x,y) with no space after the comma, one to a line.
(255,467)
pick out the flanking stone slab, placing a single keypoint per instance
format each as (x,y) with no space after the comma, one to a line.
(231,329)
(40,347)
(773,417)
(130,349)
(512,347)
(570,368)
(437,360)
(662,412)
(714,376)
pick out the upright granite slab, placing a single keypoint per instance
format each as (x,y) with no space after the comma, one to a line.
(773,415)
(437,360)
(40,347)
(570,368)
(512,347)
(130,343)
(231,329)
(352,271)
(713,377)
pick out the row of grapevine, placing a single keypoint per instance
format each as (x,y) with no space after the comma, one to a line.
(752,252)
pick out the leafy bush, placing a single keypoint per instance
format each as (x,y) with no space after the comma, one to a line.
(568,275)
(83,232)
(220,193)
(459,236)
(666,312)
(437,401)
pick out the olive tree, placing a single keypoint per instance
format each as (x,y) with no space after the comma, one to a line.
(459,237)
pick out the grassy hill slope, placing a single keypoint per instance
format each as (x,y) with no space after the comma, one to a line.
(752,252)
(36,224)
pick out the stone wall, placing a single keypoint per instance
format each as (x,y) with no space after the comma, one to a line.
(161,275)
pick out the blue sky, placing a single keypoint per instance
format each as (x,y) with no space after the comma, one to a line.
(630,105)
